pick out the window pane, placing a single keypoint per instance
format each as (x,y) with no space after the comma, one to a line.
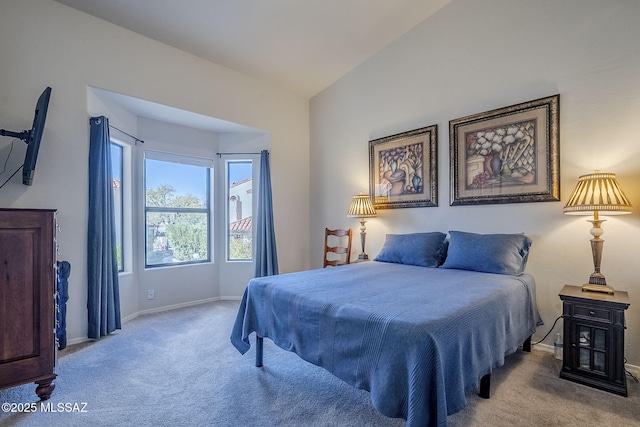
(585,336)
(177,237)
(116,173)
(176,185)
(176,213)
(585,358)
(240,198)
(599,361)
(599,339)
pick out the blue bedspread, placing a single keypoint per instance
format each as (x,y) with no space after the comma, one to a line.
(416,338)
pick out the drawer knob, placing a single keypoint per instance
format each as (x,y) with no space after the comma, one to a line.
(591,312)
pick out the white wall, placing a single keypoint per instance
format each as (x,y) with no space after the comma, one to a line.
(45,43)
(474,56)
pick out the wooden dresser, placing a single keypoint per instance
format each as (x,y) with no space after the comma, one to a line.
(27,299)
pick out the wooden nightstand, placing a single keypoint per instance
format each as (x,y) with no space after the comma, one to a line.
(594,338)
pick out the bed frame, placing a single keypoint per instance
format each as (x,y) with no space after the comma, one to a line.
(485,381)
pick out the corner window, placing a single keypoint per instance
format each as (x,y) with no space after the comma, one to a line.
(117,162)
(239,210)
(177,210)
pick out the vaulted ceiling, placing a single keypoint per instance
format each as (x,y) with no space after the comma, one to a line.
(302,46)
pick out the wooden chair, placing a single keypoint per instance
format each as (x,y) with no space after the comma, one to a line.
(341,250)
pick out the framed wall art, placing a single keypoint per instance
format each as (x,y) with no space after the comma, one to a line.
(508,155)
(403,169)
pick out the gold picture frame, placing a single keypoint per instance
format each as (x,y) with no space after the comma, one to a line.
(403,169)
(507,155)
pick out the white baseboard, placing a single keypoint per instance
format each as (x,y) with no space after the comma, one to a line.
(160,309)
(74,341)
(172,307)
(544,347)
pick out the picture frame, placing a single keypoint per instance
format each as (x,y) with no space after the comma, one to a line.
(507,155)
(403,169)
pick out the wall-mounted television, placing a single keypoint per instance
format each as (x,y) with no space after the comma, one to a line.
(32,136)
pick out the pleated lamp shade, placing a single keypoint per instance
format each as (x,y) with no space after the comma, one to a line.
(361,207)
(598,192)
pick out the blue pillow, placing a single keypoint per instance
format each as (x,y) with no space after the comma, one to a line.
(423,249)
(489,253)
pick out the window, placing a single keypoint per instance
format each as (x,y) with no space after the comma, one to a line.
(177,210)
(239,207)
(117,162)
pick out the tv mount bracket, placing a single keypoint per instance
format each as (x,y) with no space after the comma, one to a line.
(24,135)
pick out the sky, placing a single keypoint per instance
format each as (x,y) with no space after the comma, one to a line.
(116,161)
(187,179)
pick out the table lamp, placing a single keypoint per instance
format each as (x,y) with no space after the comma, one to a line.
(597,193)
(361,207)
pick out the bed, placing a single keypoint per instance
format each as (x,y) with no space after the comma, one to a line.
(416,337)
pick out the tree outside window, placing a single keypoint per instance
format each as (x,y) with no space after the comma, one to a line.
(177,213)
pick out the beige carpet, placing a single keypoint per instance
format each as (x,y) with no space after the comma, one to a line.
(178,368)
(528,391)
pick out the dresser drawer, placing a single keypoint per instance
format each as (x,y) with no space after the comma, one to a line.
(592,313)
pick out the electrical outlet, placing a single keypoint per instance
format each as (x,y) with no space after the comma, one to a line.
(151,294)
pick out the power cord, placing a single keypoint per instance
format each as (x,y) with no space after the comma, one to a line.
(3,184)
(8,156)
(4,168)
(629,374)
(552,326)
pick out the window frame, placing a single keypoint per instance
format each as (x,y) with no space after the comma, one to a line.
(207,165)
(113,143)
(227,195)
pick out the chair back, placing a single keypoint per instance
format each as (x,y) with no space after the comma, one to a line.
(337,247)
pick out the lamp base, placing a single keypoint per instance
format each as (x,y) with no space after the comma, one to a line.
(589,287)
(363,256)
(597,278)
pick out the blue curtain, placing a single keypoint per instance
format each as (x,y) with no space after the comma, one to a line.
(266,256)
(103,302)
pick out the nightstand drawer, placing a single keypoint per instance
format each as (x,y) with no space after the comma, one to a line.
(592,313)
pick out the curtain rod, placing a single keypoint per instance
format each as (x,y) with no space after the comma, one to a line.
(128,134)
(232,154)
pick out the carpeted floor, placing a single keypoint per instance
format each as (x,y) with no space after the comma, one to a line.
(178,368)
